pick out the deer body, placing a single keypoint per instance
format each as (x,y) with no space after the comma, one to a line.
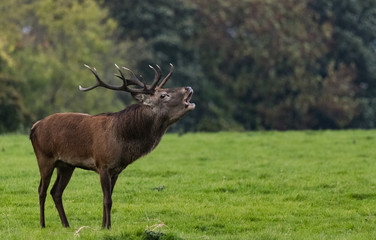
(105,143)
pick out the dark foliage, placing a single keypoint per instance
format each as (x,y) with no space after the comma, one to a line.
(280,64)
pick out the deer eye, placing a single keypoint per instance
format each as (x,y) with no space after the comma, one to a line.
(163,95)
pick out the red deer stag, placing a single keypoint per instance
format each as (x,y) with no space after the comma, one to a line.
(106,143)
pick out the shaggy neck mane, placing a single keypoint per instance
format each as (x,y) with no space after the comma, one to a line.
(137,122)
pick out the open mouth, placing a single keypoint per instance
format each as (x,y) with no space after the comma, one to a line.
(188,98)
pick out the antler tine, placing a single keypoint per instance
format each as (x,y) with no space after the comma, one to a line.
(167,77)
(157,77)
(121,76)
(95,74)
(99,82)
(133,80)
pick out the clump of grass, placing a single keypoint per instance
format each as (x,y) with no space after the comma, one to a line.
(154,231)
(152,235)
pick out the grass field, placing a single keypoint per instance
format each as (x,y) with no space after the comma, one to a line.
(252,185)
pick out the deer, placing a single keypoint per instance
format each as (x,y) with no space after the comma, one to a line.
(105,143)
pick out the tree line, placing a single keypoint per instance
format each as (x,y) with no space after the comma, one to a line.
(254,64)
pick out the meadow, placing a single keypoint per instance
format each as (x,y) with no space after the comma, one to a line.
(250,185)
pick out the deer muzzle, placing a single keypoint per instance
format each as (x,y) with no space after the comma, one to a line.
(189,94)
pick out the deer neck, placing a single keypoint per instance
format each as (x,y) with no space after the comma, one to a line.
(140,123)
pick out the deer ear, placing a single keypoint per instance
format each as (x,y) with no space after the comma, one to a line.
(142,98)
(139,97)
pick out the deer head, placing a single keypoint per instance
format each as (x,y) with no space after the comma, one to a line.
(171,102)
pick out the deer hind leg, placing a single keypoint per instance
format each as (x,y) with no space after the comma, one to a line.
(46,171)
(64,174)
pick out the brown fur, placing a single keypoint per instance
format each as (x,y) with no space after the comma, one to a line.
(105,143)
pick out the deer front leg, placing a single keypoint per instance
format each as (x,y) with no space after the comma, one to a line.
(105,178)
(113,181)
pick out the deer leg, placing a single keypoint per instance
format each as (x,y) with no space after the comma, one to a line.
(45,178)
(113,181)
(105,178)
(104,221)
(64,174)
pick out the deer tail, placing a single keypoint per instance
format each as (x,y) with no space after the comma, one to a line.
(32,130)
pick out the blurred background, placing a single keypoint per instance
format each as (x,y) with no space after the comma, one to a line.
(254,64)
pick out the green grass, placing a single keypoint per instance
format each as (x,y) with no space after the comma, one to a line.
(252,185)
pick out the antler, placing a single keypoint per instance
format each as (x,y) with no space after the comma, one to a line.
(157,76)
(146,89)
(167,77)
(132,81)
